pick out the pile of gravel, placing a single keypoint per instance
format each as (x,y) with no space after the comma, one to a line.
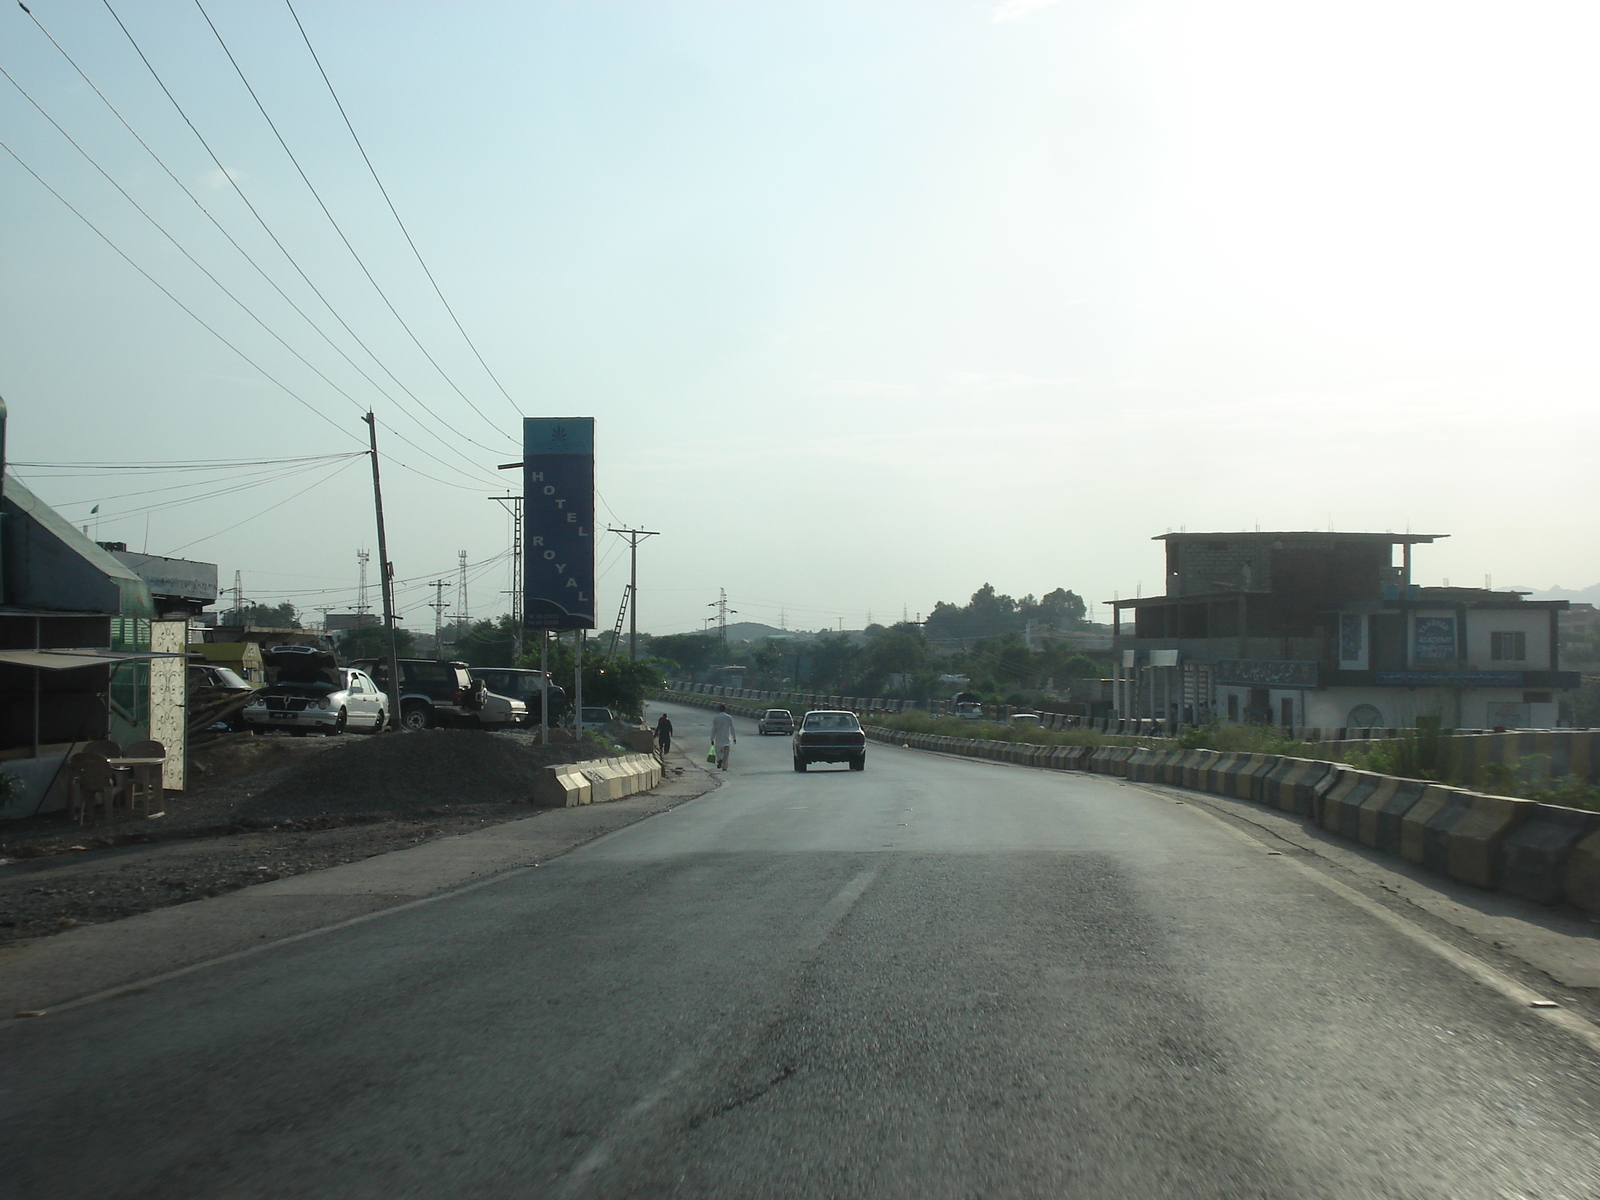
(431,768)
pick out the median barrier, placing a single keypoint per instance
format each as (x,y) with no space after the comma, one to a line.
(568,785)
(1375,806)
(1414,825)
(1535,856)
(1341,810)
(1580,881)
(1462,838)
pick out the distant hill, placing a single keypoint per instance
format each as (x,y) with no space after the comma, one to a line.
(1588,595)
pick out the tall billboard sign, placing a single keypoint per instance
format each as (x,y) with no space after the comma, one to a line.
(558,523)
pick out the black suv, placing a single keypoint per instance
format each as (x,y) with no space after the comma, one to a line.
(830,735)
(523,684)
(444,693)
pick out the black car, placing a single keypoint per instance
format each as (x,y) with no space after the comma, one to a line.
(444,693)
(524,685)
(830,735)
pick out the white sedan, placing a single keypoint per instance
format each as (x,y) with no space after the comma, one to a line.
(356,703)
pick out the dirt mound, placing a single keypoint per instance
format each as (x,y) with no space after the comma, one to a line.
(431,768)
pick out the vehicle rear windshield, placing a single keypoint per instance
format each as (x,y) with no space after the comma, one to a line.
(831,721)
(778,714)
(413,672)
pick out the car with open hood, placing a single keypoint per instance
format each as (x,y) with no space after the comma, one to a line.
(308,690)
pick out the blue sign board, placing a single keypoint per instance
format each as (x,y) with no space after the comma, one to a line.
(1434,639)
(1448,678)
(558,523)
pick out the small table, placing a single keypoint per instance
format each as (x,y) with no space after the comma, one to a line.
(138,768)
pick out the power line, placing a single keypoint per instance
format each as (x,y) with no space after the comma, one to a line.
(228,176)
(336,226)
(96,229)
(356,138)
(195,200)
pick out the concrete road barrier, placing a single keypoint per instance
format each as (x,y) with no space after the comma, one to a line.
(1534,857)
(1580,881)
(568,785)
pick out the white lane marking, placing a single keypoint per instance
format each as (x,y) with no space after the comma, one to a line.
(1473,968)
(600,1153)
(834,910)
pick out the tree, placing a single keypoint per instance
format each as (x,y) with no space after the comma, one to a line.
(277,616)
(689,652)
(487,643)
(610,681)
(369,642)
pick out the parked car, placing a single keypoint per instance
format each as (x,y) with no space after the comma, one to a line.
(524,685)
(444,693)
(1027,720)
(218,693)
(307,690)
(829,735)
(775,720)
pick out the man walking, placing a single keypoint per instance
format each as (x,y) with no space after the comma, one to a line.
(664,733)
(723,736)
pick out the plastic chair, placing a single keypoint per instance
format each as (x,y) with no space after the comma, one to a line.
(92,781)
(104,749)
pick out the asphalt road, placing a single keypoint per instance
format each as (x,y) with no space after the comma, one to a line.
(933,978)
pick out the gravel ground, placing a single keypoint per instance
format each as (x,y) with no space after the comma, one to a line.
(269,807)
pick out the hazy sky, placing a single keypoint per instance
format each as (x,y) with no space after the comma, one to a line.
(873,301)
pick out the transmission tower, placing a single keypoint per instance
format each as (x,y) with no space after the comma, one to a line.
(723,611)
(461,588)
(361,589)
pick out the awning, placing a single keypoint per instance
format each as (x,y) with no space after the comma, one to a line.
(69,660)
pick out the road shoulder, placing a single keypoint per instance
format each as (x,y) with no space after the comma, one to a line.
(92,960)
(1561,944)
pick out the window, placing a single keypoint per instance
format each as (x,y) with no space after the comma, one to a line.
(1508,647)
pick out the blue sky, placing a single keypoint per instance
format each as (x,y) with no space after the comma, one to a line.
(873,301)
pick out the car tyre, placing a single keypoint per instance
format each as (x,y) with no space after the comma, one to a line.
(799,764)
(415,717)
(859,764)
(383,719)
(341,724)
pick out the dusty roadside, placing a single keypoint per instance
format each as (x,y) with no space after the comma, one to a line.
(80,965)
(267,809)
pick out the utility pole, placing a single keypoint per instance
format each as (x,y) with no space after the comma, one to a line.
(635,536)
(386,578)
(513,505)
(438,605)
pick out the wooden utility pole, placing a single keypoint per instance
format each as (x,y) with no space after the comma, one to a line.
(634,536)
(386,577)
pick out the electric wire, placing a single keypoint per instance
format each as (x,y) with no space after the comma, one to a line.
(273,473)
(253,516)
(266,228)
(190,464)
(364,158)
(233,242)
(223,288)
(214,333)
(336,226)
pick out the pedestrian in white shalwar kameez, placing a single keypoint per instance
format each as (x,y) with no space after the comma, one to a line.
(722,735)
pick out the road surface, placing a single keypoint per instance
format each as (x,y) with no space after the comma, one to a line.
(934,978)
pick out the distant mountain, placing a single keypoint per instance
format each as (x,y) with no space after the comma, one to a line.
(1588,595)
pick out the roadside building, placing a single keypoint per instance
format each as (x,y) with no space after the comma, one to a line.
(82,656)
(1325,630)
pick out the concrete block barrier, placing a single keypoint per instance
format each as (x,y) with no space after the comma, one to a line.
(568,785)
(1414,825)
(1580,881)
(1534,855)
(1463,839)
(1341,811)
